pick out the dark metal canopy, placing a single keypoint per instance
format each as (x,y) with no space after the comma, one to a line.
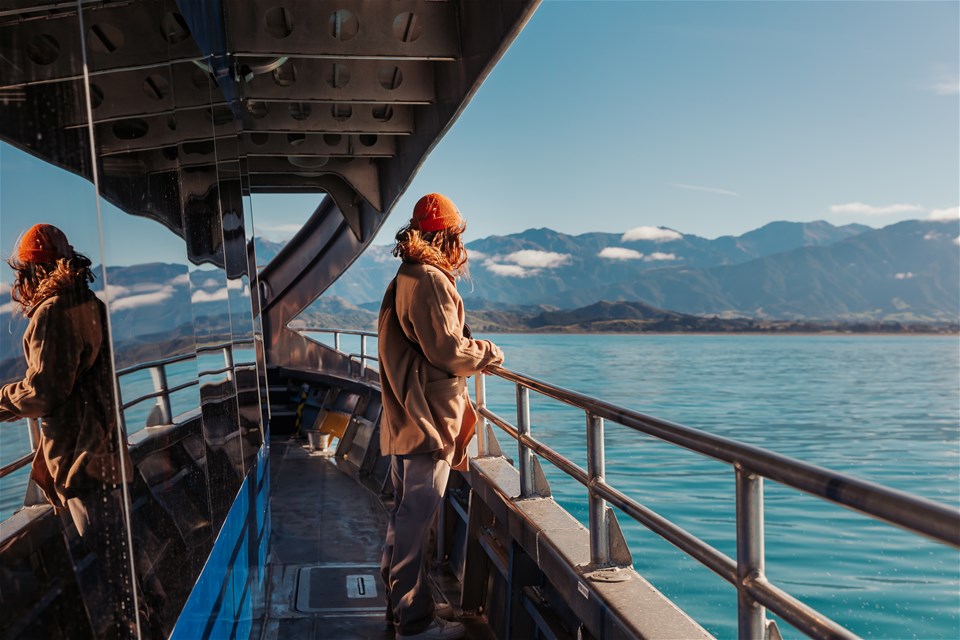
(192,99)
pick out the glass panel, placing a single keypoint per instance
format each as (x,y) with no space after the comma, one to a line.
(201,197)
(234,195)
(78,557)
(157,282)
(281,216)
(252,271)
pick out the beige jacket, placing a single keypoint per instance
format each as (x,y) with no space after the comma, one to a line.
(69,387)
(424,358)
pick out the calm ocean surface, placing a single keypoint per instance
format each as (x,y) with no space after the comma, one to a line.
(883,408)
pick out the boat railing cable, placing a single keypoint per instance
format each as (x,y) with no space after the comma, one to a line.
(751,465)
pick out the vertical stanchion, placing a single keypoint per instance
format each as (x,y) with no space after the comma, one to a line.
(363,354)
(523,429)
(159,375)
(336,340)
(596,468)
(751,617)
(481,404)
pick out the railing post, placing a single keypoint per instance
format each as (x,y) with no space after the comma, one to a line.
(336,340)
(523,429)
(363,354)
(159,375)
(596,468)
(33,430)
(482,425)
(751,617)
(228,361)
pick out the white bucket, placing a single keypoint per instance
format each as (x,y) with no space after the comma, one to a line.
(318,441)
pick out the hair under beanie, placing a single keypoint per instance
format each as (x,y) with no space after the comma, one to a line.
(434,212)
(43,243)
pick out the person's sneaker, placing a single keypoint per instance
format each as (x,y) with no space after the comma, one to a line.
(439,629)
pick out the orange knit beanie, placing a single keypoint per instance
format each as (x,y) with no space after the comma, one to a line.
(43,243)
(435,211)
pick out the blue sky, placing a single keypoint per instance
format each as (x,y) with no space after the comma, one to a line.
(709,118)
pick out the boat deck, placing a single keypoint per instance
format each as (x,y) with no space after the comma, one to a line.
(323,567)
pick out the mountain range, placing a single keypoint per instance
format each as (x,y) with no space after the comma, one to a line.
(541,279)
(909,272)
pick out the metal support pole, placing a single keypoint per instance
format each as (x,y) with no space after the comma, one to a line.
(363,354)
(751,617)
(33,429)
(159,375)
(481,381)
(228,362)
(336,340)
(523,429)
(596,468)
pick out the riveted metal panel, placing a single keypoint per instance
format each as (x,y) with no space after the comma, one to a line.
(134,93)
(328,118)
(330,144)
(119,36)
(368,30)
(342,80)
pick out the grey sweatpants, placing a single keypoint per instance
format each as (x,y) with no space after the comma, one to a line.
(419,483)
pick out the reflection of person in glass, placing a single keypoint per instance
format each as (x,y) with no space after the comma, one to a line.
(68,385)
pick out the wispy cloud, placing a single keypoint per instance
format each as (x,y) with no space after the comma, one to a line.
(656,234)
(535,259)
(6,308)
(203,296)
(381,254)
(694,187)
(183,278)
(656,255)
(952,213)
(904,276)
(143,299)
(947,87)
(525,263)
(956,241)
(871,210)
(277,231)
(620,253)
(5,289)
(509,270)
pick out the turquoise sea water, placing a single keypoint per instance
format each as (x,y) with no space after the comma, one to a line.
(883,408)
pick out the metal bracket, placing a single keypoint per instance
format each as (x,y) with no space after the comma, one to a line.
(490,442)
(619,551)
(541,488)
(773,631)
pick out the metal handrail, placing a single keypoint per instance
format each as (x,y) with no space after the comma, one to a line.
(363,356)
(756,594)
(751,465)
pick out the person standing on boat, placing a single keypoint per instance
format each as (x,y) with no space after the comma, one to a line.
(82,459)
(425,352)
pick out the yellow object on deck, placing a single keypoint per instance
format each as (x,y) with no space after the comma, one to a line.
(333,422)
